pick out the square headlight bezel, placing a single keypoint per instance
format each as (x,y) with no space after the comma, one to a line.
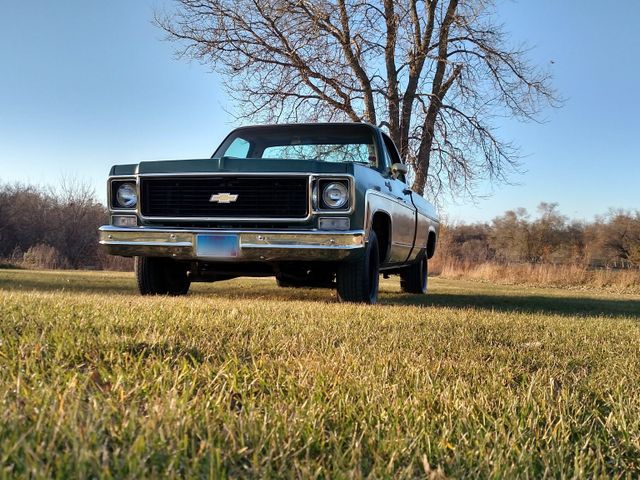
(319,205)
(114,184)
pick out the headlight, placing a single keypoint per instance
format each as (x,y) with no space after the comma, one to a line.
(335,195)
(126,195)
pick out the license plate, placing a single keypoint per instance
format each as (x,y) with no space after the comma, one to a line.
(217,246)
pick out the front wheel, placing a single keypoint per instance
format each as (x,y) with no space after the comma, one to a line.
(161,276)
(413,279)
(358,281)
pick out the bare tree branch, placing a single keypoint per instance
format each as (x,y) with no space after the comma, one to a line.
(435,73)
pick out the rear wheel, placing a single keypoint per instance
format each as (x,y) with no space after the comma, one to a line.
(358,281)
(413,279)
(161,276)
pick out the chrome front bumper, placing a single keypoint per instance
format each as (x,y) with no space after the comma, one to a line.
(253,245)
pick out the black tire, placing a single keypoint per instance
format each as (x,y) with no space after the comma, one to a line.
(413,279)
(178,280)
(161,276)
(358,281)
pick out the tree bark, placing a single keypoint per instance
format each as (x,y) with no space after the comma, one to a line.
(438,91)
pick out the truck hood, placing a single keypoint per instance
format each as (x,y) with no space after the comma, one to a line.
(242,165)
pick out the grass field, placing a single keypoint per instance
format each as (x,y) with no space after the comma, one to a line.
(244,379)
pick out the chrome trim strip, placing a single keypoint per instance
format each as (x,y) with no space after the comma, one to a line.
(300,247)
(213,231)
(147,244)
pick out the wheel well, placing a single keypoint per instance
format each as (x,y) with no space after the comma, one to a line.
(431,244)
(381,224)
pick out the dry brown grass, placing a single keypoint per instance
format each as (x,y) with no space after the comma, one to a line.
(567,276)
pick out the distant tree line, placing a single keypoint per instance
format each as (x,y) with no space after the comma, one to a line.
(53,228)
(57,228)
(608,241)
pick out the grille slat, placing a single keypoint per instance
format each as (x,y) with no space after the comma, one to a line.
(258,197)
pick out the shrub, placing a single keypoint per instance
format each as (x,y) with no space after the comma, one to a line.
(45,256)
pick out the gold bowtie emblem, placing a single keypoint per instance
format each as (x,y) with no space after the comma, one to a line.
(223,197)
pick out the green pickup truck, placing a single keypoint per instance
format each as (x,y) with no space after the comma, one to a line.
(317,205)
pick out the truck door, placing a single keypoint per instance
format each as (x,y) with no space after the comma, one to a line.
(403,223)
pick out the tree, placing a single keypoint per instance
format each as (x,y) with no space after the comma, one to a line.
(511,237)
(52,227)
(547,234)
(435,73)
(620,237)
(75,220)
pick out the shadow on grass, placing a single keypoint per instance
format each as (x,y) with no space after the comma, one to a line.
(536,304)
(9,266)
(584,306)
(65,281)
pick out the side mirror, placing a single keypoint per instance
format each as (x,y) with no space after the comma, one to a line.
(399,169)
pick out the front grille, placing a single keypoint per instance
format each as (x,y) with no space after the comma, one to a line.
(258,197)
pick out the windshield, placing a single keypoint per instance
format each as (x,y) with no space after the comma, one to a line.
(332,143)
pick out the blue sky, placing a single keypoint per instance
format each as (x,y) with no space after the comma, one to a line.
(86,84)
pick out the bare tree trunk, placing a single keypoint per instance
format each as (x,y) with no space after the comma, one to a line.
(421,41)
(438,91)
(393,100)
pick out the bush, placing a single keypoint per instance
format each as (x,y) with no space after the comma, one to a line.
(115,263)
(45,256)
(66,219)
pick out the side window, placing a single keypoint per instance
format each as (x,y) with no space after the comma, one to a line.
(239,148)
(392,152)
